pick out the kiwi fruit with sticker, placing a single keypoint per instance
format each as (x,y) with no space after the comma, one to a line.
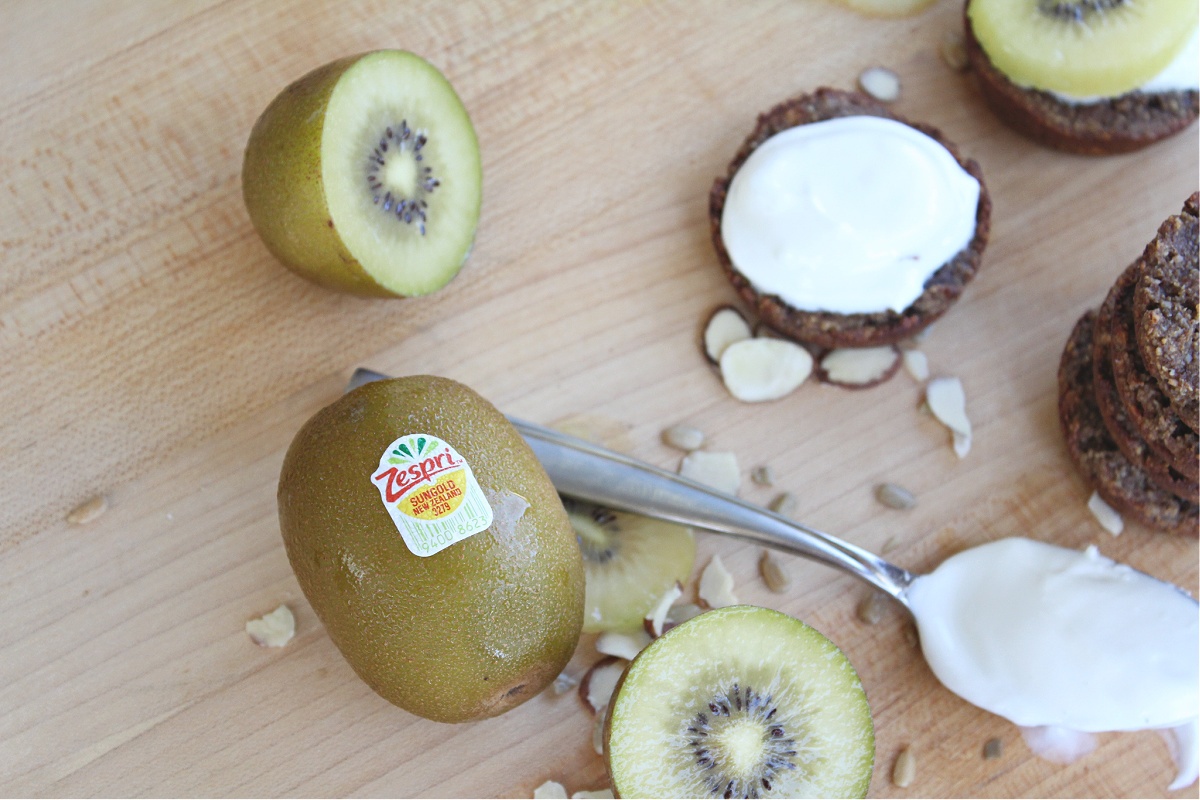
(365,176)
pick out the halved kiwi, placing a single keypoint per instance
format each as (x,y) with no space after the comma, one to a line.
(1082,48)
(365,176)
(740,702)
(629,562)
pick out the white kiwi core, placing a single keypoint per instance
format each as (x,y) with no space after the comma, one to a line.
(741,702)
(401,170)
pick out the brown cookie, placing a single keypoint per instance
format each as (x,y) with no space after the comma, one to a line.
(1148,408)
(1165,306)
(1121,484)
(828,329)
(1119,125)
(1117,421)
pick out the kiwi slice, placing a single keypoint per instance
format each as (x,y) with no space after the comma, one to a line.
(1082,48)
(365,176)
(740,702)
(629,561)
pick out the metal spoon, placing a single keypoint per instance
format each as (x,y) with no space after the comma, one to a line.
(594,474)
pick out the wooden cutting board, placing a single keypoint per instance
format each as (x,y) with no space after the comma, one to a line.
(155,354)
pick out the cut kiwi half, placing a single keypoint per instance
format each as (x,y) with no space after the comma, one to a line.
(740,702)
(1082,48)
(629,561)
(365,176)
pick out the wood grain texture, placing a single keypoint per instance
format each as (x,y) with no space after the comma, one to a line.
(151,350)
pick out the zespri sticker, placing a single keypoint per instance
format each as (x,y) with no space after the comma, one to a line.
(431,494)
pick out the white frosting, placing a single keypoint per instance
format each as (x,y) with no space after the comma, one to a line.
(850,215)
(1055,638)
(1181,75)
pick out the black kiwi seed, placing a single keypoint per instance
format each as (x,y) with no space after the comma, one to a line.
(1077,10)
(410,210)
(779,749)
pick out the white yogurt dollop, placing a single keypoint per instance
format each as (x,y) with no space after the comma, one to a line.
(849,215)
(1051,637)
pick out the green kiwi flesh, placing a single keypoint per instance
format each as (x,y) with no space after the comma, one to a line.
(365,176)
(740,702)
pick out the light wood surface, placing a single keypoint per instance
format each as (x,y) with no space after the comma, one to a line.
(152,351)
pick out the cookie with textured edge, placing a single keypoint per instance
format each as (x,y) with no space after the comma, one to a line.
(1117,421)
(828,329)
(1148,408)
(1165,307)
(1121,484)
(1117,125)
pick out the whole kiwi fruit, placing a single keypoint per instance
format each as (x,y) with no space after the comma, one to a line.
(452,623)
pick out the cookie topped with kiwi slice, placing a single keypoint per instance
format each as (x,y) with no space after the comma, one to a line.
(842,224)
(1087,76)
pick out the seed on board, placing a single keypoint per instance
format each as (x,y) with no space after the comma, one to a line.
(774,574)
(684,437)
(763,476)
(881,83)
(905,769)
(88,511)
(872,607)
(953,50)
(993,748)
(1108,517)
(895,496)
(784,505)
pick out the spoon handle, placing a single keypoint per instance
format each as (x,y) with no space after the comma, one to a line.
(588,472)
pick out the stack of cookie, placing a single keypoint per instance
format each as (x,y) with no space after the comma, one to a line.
(1127,385)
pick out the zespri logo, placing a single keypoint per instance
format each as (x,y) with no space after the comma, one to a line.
(430,493)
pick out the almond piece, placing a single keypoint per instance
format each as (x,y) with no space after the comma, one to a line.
(564,683)
(273,630)
(598,730)
(622,645)
(904,772)
(716,585)
(1106,515)
(719,470)
(859,367)
(916,364)
(658,615)
(724,327)
(599,682)
(881,83)
(550,790)
(947,401)
(758,370)
(597,794)
(680,614)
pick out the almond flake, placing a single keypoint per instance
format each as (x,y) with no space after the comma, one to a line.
(600,681)
(550,790)
(916,364)
(881,83)
(859,367)
(905,769)
(724,327)
(273,630)
(598,794)
(658,615)
(622,645)
(716,585)
(564,683)
(947,402)
(758,370)
(680,614)
(1106,515)
(598,730)
(719,470)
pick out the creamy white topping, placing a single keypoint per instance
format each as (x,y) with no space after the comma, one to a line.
(849,215)
(1047,636)
(1181,75)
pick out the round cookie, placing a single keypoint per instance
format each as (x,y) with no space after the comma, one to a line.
(1165,307)
(1117,421)
(1148,408)
(1118,125)
(1121,484)
(828,329)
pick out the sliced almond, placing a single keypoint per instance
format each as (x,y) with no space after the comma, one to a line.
(550,790)
(916,364)
(684,437)
(719,470)
(724,327)
(598,683)
(564,683)
(680,614)
(716,585)
(1106,515)
(622,645)
(881,83)
(658,615)
(904,771)
(597,794)
(758,370)
(273,630)
(774,573)
(947,401)
(859,367)
(598,730)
